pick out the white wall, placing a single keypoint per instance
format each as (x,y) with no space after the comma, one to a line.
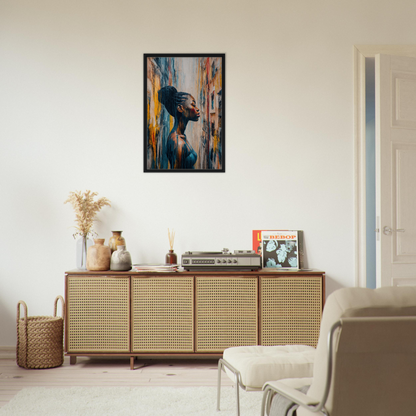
(71,118)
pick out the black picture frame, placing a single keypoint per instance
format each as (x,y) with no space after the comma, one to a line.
(184,130)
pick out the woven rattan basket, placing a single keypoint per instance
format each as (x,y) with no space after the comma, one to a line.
(40,338)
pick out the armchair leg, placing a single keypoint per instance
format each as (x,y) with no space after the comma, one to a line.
(219,384)
(221,364)
(237,391)
(266,401)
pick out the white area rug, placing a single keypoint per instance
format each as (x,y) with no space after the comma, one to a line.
(130,401)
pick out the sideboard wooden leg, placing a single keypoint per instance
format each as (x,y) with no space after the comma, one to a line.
(72,359)
(131,363)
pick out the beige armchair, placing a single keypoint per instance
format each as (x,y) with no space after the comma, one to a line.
(365,362)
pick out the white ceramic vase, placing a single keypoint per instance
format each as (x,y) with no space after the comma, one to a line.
(121,259)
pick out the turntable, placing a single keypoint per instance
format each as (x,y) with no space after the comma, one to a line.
(240,260)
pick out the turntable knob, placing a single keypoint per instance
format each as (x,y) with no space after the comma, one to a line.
(225,251)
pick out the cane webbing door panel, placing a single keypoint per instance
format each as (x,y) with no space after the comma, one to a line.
(98,314)
(162,314)
(189,314)
(226,312)
(291,309)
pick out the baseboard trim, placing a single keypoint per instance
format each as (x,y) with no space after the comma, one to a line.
(7,352)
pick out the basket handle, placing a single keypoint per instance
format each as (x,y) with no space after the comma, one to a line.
(21,302)
(56,305)
(24,340)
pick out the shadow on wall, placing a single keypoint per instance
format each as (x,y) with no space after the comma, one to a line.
(7,325)
(331,285)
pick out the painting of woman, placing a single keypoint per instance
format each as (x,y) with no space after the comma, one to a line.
(182,107)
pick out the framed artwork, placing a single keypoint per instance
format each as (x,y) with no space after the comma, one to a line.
(184,113)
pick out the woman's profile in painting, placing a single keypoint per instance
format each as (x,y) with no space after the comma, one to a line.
(182,107)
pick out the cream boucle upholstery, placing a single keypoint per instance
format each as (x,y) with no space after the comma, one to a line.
(356,302)
(348,303)
(258,364)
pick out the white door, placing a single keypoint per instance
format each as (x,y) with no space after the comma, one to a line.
(396,170)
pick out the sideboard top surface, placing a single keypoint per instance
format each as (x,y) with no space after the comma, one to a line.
(262,272)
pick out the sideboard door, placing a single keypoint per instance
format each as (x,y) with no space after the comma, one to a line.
(226,312)
(98,314)
(162,314)
(291,309)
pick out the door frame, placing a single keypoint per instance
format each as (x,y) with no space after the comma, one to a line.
(360,53)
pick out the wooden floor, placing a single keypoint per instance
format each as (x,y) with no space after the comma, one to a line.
(109,372)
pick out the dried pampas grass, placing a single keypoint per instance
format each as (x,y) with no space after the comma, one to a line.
(85,210)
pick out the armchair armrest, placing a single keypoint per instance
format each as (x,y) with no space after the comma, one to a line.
(312,404)
(291,393)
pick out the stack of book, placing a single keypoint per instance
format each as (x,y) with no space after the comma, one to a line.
(155,267)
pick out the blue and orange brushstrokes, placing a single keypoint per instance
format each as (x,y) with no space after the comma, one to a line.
(184,123)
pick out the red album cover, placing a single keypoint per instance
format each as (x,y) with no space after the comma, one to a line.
(257,241)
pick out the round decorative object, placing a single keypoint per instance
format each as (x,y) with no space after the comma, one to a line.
(116,240)
(121,259)
(98,256)
(81,252)
(171,258)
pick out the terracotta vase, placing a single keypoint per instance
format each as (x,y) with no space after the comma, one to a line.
(116,240)
(171,258)
(98,256)
(121,259)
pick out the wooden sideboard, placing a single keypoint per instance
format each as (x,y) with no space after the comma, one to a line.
(189,313)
